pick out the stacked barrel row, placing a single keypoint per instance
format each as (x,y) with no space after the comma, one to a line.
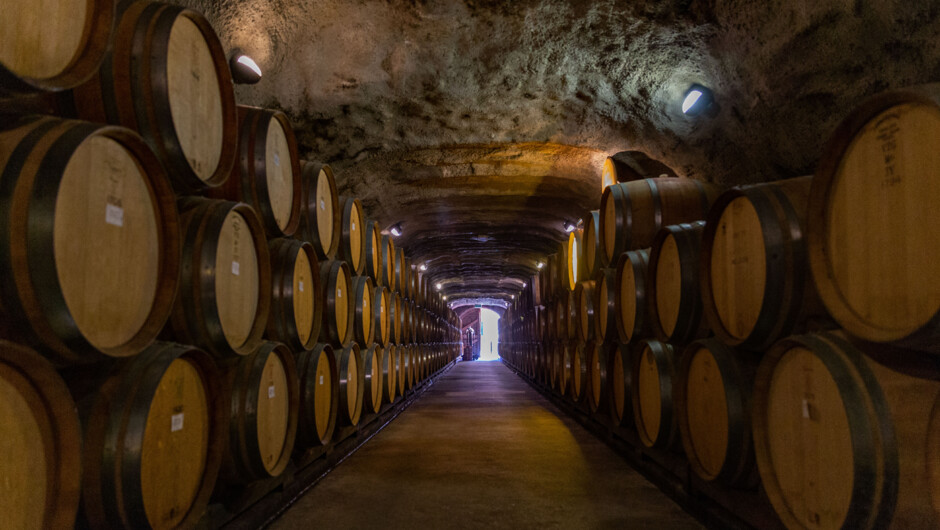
(781,337)
(185,304)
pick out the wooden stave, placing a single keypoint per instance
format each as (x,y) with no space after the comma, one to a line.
(98,100)
(96,40)
(573,316)
(401,274)
(623,378)
(638,260)
(628,235)
(242,463)
(574,265)
(35,302)
(886,477)
(691,323)
(402,368)
(739,469)
(308,229)
(373,353)
(53,401)
(282,325)
(104,425)
(349,414)
(927,337)
(307,432)
(790,296)
(247,182)
(196,298)
(665,356)
(363,330)
(330,270)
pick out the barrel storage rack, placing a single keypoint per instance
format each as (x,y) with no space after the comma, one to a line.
(766,354)
(183,300)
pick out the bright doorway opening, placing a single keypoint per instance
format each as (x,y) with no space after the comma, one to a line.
(489,335)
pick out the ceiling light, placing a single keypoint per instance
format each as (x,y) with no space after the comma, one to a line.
(523,285)
(395,230)
(697,100)
(569,226)
(439,286)
(424,266)
(445,297)
(245,70)
(512,296)
(539,265)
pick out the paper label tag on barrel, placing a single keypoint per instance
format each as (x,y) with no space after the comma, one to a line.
(176,422)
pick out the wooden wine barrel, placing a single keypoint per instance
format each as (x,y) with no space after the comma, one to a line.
(590,244)
(574,266)
(598,385)
(319,396)
(579,372)
(390,368)
(263,400)
(320,215)
(574,315)
(372,249)
(843,441)
(406,368)
(653,378)
(585,295)
(412,366)
(632,302)
(632,213)
(401,272)
(401,368)
(52,46)
(412,279)
(387,258)
(873,245)
(395,318)
(373,359)
(381,312)
(675,300)
(338,303)
(712,398)
(755,280)
(564,368)
(620,377)
(296,296)
(632,165)
(363,293)
(267,170)
(225,284)
(42,446)
(167,78)
(89,239)
(351,384)
(154,433)
(605,305)
(352,239)
(561,318)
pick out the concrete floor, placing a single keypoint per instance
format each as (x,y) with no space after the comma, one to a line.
(482,449)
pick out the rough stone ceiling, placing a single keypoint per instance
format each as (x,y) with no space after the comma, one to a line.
(481,125)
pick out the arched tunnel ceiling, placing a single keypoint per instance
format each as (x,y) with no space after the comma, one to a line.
(481,125)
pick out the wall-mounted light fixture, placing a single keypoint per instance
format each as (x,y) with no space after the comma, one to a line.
(395,230)
(569,226)
(698,99)
(523,285)
(245,71)
(423,267)
(439,286)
